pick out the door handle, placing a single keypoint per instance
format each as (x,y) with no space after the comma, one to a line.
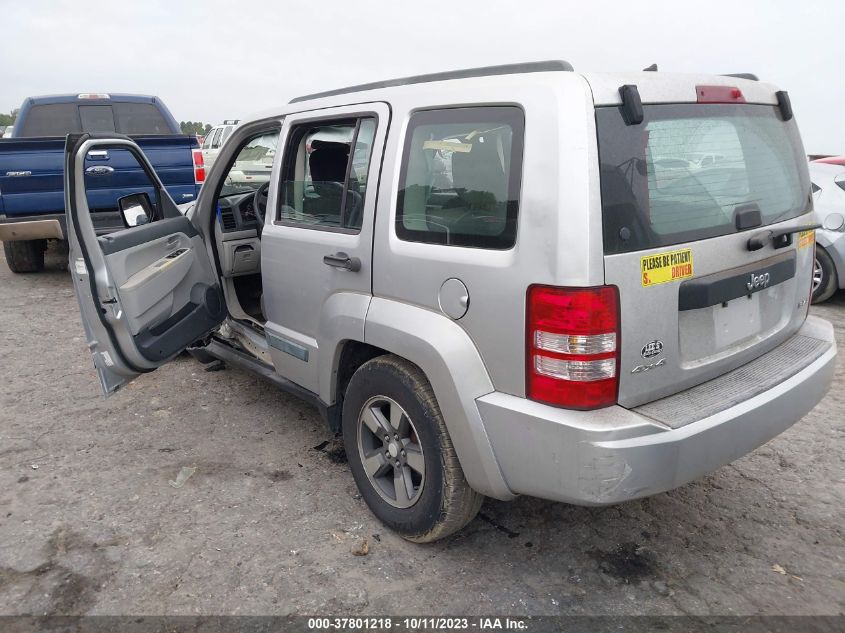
(98,154)
(344,261)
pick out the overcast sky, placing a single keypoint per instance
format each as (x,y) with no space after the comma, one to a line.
(212,60)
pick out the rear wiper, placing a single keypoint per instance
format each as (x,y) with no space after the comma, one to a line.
(780,237)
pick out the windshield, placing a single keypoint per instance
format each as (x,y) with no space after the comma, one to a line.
(253,165)
(683,173)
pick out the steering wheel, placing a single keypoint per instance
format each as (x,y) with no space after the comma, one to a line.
(259,204)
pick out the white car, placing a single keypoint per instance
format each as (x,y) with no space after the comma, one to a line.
(254,163)
(829,200)
(214,140)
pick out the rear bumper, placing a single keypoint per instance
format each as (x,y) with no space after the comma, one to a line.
(616,454)
(53,226)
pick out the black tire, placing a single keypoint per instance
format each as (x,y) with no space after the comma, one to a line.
(25,256)
(446,502)
(828,284)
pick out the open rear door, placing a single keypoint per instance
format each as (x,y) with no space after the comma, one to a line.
(146,292)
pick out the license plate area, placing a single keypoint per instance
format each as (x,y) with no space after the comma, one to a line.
(709,334)
(736,320)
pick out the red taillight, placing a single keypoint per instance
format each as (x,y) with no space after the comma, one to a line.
(199,167)
(572,346)
(719,94)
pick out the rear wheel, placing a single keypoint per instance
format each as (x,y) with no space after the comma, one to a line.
(825,279)
(25,256)
(401,454)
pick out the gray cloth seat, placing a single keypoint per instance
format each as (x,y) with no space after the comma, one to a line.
(480,179)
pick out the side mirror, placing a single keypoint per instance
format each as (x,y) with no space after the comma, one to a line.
(834,222)
(135,209)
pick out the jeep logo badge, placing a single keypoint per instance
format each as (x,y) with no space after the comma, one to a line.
(652,349)
(757,281)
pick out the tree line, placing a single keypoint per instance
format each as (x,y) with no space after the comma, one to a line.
(194,127)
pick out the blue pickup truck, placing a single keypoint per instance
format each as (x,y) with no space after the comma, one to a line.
(31,166)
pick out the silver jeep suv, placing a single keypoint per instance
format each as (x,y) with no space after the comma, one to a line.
(508,280)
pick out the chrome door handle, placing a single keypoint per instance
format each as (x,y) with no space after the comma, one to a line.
(98,154)
(344,261)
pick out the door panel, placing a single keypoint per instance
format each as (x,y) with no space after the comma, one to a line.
(145,292)
(311,261)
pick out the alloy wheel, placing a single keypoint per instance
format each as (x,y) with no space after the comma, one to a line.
(818,274)
(390,452)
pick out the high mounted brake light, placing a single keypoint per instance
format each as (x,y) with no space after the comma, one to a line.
(199,166)
(719,94)
(93,95)
(572,346)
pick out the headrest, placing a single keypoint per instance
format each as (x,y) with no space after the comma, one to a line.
(328,161)
(482,171)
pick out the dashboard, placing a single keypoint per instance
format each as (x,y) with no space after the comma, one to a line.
(237,213)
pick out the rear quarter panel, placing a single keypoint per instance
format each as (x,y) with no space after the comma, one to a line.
(559,223)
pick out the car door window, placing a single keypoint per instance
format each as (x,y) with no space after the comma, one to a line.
(215,142)
(114,173)
(208,138)
(325,172)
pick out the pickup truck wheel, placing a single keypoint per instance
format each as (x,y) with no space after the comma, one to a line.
(825,280)
(25,256)
(400,452)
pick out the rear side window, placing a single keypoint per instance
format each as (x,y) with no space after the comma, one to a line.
(460,177)
(56,119)
(140,118)
(682,174)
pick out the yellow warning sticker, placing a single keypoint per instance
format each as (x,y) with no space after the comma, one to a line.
(806,238)
(665,267)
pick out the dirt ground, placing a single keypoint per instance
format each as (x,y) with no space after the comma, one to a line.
(89,522)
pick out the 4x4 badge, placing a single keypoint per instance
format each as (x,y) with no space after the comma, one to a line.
(641,368)
(652,349)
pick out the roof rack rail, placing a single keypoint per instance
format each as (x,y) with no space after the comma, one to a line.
(750,76)
(484,71)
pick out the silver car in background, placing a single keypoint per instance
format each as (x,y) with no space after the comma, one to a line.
(829,199)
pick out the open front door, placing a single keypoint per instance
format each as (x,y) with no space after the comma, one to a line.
(146,292)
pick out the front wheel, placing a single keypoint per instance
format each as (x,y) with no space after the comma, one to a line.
(401,454)
(825,279)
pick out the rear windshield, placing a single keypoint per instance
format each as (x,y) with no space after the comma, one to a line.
(59,119)
(682,174)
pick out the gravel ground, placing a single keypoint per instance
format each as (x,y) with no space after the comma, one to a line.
(266,525)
